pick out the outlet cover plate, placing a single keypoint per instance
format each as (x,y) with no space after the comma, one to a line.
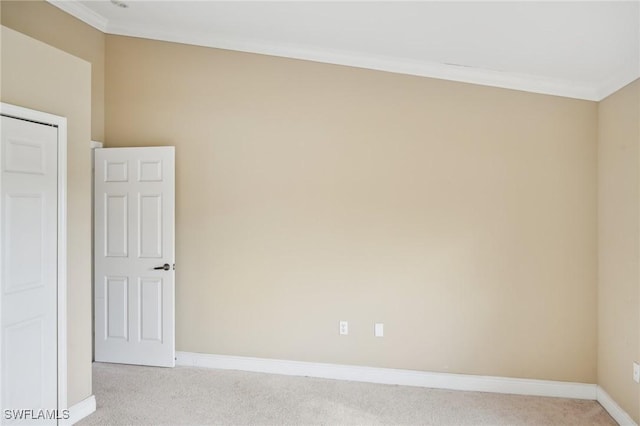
(636,372)
(378,329)
(344,328)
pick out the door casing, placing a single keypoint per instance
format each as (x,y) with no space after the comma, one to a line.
(22,113)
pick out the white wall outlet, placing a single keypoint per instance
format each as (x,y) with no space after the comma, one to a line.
(636,372)
(344,328)
(378,329)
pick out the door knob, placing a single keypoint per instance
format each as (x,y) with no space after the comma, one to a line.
(164,267)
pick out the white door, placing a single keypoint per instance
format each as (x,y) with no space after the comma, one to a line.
(29,220)
(134,255)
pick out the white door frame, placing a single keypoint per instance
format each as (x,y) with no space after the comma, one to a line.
(61,123)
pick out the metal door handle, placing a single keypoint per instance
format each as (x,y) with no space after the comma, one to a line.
(165,267)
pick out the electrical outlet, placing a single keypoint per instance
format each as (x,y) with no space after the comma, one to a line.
(344,328)
(378,329)
(636,372)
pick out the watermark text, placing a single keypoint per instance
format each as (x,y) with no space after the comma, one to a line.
(39,414)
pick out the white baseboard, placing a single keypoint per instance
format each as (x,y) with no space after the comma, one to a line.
(80,410)
(391,376)
(612,407)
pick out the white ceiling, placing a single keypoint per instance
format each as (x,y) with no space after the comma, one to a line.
(584,50)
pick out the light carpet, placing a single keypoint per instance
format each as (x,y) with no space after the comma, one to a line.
(128,394)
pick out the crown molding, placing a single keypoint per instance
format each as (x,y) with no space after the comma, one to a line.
(82,12)
(441,71)
(451,72)
(617,82)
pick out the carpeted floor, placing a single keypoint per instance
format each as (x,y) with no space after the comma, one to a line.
(145,395)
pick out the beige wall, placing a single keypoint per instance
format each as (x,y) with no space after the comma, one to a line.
(463,217)
(40,77)
(47,23)
(619,240)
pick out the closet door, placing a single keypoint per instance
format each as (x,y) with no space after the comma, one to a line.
(28,260)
